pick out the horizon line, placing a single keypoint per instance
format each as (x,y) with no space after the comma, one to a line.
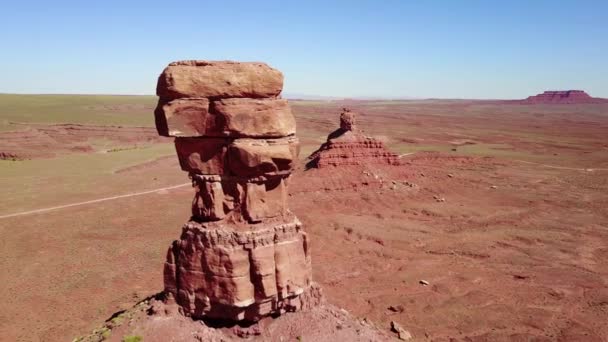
(299,97)
(309,97)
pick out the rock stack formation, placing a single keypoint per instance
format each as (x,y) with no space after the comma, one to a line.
(563,97)
(349,146)
(243,254)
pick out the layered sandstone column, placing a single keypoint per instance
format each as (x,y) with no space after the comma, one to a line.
(243,254)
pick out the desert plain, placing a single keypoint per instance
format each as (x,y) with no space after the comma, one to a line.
(494,228)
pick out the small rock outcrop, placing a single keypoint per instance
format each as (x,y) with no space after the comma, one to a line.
(243,254)
(563,97)
(349,146)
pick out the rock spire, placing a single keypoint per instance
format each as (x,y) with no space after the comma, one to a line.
(349,146)
(243,254)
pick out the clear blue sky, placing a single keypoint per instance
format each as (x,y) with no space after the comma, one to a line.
(448,49)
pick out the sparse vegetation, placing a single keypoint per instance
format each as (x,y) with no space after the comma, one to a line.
(79,173)
(117,320)
(17,110)
(105,333)
(132,338)
(118,149)
(119,239)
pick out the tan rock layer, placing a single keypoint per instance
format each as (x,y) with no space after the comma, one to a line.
(240,198)
(367,151)
(234,117)
(203,155)
(239,275)
(218,79)
(188,117)
(257,118)
(237,157)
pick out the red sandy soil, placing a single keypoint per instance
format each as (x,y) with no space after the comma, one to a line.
(564,134)
(40,140)
(510,250)
(523,260)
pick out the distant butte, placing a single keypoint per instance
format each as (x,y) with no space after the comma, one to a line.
(563,97)
(348,146)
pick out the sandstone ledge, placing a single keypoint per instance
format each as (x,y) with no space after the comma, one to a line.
(232,117)
(249,236)
(237,157)
(219,79)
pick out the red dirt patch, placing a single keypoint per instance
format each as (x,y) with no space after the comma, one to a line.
(44,141)
(515,250)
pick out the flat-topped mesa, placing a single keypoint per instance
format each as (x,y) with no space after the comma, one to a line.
(348,146)
(563,97)
(243,254)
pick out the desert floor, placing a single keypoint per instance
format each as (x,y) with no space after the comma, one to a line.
(518,248)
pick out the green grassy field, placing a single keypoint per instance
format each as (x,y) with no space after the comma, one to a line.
(79,109)
(32,184)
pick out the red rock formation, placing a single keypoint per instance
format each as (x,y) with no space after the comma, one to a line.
(233,117)
(348,146)
(563,97)
(218,79)
(243,254)
(217,272)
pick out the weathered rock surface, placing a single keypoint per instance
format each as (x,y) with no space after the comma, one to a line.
(237,157)
(265,200)
(219,79)
(251,157)
(243,254)
(350,149)
(234,117)
(260,118)
(348,121)
(217,272)
(348,146)
(203,155)
(156,321)
(563,97)
(187,117)
(239,199)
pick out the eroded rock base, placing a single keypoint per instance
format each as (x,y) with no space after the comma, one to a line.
(155,321)
(217,272)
